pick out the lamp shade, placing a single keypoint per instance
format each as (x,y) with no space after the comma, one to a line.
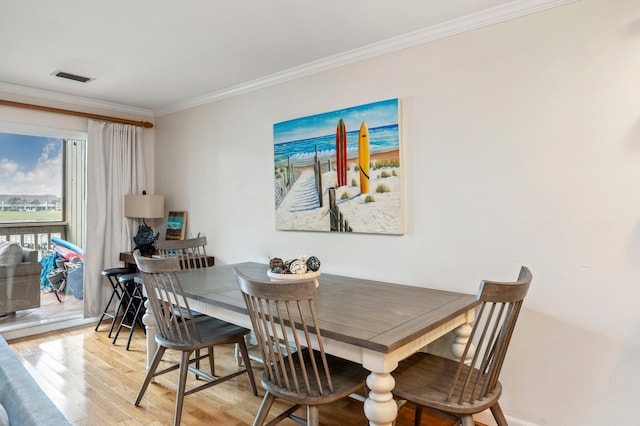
(144,206)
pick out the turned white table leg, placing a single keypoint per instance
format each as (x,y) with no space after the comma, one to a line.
(380,407)
(461,338)
(150,325)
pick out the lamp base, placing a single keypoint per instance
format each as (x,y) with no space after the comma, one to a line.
(146,250)
(145,239)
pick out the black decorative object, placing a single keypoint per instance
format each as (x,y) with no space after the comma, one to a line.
(313,263)
(145,239)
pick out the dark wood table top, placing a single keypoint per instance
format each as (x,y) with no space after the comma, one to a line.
(376,315)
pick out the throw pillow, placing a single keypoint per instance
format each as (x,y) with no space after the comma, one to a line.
(10,253)
(4,417)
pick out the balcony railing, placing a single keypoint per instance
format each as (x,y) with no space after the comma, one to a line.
(35,235)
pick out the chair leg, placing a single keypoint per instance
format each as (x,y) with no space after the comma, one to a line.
(247,364)
(182,383)
(265,406)
(498,415)
(127,309)
(418,417)
(212,362)
(467,420)
(313,415)
(133,324)
(114,293)
(124,300)
(150,372)
(141,308)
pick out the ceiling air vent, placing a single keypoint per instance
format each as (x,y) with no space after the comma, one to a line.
(70,76)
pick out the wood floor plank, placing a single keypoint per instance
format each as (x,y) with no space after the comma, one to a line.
(94,382)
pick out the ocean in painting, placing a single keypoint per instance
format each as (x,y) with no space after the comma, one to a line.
(302,152)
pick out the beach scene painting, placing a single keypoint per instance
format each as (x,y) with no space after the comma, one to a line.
(340,171)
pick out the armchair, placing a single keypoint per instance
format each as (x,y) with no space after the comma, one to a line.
(20,283)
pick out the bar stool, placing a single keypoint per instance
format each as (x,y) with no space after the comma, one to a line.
(112,275)
(132,285)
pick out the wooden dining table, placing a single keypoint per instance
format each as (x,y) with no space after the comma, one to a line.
(374,323)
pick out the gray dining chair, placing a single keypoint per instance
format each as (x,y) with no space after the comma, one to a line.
(179,330)
(191,252)
(296,367)
(468,386)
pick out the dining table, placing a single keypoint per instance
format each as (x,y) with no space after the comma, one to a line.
(373,323)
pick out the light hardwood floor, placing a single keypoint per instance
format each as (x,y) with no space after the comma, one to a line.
(94,382)
(50,309)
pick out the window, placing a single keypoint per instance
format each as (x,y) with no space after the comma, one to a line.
(42,185)
(31,178)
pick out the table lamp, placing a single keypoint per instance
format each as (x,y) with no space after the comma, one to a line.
(144,207)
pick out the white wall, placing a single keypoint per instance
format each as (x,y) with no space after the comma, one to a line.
(521,145)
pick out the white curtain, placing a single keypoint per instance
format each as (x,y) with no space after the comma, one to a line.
(115,167)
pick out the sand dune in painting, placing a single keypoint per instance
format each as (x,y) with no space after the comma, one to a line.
(378,212)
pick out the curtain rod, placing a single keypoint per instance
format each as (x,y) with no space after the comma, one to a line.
(144,124)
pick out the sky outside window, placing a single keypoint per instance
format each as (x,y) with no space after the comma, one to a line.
(30,178)
(30,165)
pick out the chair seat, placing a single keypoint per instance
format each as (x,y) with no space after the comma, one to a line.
(348,377)
(129,277)
(426,379)
(116,272)
(213,331)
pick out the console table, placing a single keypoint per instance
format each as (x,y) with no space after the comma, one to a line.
(130,262)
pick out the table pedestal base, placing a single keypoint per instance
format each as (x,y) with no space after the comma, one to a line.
(380,407)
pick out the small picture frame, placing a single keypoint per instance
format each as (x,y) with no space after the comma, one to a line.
(176,225)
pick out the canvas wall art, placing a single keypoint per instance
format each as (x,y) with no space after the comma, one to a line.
(176,225)
(340,171)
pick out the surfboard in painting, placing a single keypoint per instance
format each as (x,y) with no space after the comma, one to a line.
(363,158)
(341,153)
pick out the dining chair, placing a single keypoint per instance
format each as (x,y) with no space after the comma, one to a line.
(305,375)
(179,330)
(468,386)
(191,252)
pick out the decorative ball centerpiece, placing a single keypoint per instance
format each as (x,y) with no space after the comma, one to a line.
(298,268)
(313,263)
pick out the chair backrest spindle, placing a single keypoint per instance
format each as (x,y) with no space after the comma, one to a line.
(284,319)
(479,368)
(191,252)
(170,308)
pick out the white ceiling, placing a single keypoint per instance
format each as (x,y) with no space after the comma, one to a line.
(159,56)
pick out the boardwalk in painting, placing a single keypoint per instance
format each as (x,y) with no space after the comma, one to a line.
(303,195)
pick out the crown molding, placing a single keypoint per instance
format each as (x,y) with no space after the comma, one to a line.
(73,100)
(511,10)
(460,25)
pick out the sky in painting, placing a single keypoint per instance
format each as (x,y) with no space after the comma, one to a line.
(30,165)
(376,114)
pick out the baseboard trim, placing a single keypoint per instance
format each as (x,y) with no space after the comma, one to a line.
(24,330)
(487,418)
